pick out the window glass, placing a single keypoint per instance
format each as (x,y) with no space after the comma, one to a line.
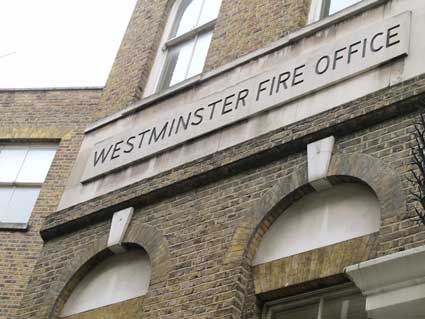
(23,169)
(20,204)
(36,165)
(349,307)
(188,18)
(305,312)
(178,60)
(5,196)
(343,302)
(338,5)
(200,54)
(11,161)
(209,11)
(185,46)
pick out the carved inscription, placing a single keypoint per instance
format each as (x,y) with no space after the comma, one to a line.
(289,80)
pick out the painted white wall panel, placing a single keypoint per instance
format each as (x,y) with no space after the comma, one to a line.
(118,278)
(320,219)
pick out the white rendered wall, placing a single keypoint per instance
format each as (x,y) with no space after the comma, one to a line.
(118,278)
(320,219)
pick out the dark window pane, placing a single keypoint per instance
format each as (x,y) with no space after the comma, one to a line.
(304,312)
(349,307)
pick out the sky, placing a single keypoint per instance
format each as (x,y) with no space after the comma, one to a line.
(60,43)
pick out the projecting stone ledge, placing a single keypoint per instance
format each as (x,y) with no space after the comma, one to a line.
(394,285)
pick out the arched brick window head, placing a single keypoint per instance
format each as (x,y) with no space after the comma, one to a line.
(117,278)
(319,219)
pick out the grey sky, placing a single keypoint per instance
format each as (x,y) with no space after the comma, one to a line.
(60,43)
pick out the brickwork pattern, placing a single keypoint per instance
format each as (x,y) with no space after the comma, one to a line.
(135,57)
(200,207)
(247,25)
(61,115)
(126,309)
(242,27)
(200,224)
(94,252)
(327,261)
(57,116)
(340,121)
(391,142)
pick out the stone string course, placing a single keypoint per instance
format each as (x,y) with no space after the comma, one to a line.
(194,220)
(200,222)
(339,121)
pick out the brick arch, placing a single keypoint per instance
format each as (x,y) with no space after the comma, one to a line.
(145,236)
(77,267)
(382,179)
(363,168)
(155,244)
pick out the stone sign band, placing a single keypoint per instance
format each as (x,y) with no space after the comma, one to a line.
(292,79)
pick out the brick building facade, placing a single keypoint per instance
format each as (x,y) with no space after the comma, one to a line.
(273,184)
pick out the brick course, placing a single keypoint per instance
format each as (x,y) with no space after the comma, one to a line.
(202,213)
(199,223)
(242,27)
(247,25)
(29,116)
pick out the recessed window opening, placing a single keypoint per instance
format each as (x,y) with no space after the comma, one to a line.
(23,169)
(185,46)
(319,219)
(341,302)
(116,279)
(333,6)
(323,8)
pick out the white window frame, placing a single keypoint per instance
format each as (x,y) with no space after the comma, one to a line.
(319,9)
(155,78)
(309,298)
(50,146)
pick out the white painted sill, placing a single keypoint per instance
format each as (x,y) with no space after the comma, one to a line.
(13,226)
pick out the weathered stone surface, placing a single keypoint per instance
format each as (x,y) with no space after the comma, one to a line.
(315,265)
(201,221)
